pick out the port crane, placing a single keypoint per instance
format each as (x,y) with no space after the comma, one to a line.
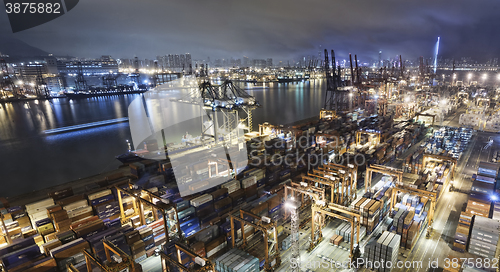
(122,261)
(269,231)
(143,198)
(336,211)
(374,168)
(80,82)
(7,82)
(169,263)
(110,80)
(337,98)
(40,84)
(228,100)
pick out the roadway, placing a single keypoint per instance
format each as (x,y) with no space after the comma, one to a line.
(449,206)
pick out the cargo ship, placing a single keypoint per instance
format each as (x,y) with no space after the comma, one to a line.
(97,92)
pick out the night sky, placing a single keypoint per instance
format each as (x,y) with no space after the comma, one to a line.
(281,29)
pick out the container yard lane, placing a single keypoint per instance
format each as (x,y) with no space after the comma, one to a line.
(438,246)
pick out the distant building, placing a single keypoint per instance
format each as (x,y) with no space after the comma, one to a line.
(259,63)
(189,62)
(170,61)
(177,61)
(269,62)
(90,67)
(51,63)
(31,69)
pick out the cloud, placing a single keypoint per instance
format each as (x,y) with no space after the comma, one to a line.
(278,28)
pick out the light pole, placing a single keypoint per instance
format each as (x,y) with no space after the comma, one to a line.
(292,205)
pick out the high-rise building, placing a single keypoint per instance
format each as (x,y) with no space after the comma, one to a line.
(259,63)
(269,62)
(189,62)
(246,61)
(170,61)
(182,61)
(177,61)
(380,59)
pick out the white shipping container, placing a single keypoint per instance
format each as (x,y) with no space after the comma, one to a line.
(99,194)
(232,186)
(247,182)
(39,205)
(76,205)
(201,200)
(79,211)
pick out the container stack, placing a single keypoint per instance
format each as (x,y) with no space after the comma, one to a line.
(158,228)
(412,234)
(236,260)
(336,240)
(484,237)
(215,247)
(274,205)
(488,169)
(496,211)
(147,236)
(21,255)
(462,232)
(37,211)
(237,197)
(478,204)
(344,231)
(384,249)
(483,185)
(370,211)
(232,186)
(88,226)
(104,204)
(76,206)
(59,217)
(17,222)
(69,253)
(136,245)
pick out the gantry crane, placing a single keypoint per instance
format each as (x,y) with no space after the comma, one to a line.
(348,215)
(122,263)
(228,100)
(375,168)
(341,179)
(202,264)
(110,80)
(336,99)
(4,231)
(158,207)
(422,193)
(452,161)
(347,174)
(7,82)
(370,133)
(80,82)
(433,116)
(40,84)
(272,251)
(317,194)
(294,205)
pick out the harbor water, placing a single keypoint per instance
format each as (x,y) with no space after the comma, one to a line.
(31,159)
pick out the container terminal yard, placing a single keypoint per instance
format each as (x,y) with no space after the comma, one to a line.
(384,179)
